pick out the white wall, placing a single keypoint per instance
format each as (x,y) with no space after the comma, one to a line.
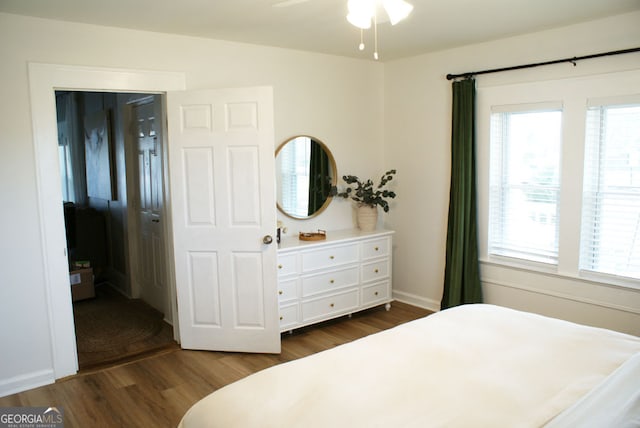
(417,142)
(372,116)
(336,99)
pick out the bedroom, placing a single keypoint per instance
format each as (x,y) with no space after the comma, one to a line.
(336,99)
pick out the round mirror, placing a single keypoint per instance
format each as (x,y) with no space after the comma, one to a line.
(305,174)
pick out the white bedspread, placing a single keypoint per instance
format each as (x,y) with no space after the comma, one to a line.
(613,403)
(469,366)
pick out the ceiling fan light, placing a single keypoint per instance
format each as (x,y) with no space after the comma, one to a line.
(363,12)
(360,21)
(361,6)
(397,10)
(360,13)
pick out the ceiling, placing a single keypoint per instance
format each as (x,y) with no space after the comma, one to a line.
(321,26)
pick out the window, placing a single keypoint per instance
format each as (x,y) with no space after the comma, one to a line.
(610,238)
(294,161)
(525,182)
(558,167)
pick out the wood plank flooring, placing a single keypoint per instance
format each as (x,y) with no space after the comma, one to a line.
(158,390)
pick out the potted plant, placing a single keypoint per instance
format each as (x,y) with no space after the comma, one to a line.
(368,197)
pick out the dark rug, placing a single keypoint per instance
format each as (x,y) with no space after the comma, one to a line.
(111,329)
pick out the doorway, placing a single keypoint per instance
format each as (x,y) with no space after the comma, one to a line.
(245,109)
(44,79)
(110,153)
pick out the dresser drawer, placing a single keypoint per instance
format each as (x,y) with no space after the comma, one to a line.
(288,316)
(375,293)
(375,248)
(287,290)
(331,305)
(287,264)
(375,270)
(322,282)
(329,257)
(347,272)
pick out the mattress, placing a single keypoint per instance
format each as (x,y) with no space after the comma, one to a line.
(472,365)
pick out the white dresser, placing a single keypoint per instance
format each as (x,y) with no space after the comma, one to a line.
(320,280)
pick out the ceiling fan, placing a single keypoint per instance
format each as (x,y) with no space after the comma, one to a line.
(361,13)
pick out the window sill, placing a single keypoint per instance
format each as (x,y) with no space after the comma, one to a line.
(521,264)
(551,270)
(617,281)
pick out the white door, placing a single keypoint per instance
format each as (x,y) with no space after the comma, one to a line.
(151,266)
(221,169)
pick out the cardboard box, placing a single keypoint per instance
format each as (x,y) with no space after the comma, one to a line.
(82,284)
(81,264)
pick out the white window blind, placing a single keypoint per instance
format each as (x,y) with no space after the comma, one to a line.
(295,161)
(610,238)
(525,147)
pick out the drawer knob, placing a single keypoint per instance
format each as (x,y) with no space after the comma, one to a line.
(331,305)
(376,248)
(281,317)
(375,294)
(280,292)
(376,271)
(331,257)
(279,266)
(331,281)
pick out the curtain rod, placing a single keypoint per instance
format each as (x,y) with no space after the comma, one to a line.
(538,64)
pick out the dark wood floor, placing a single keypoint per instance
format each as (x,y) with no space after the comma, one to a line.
(157,391)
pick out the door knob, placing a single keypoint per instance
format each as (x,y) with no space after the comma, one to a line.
(268,239)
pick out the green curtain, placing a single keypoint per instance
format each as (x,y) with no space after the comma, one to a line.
(319,179)
(462,276)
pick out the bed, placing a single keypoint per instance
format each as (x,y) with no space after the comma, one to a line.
(469,366)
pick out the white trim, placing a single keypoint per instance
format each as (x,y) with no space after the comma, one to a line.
(415,300)
(565,296)
(541,106)
(529,268)
(608,279)
(24,382)
(575,93)
(44,79)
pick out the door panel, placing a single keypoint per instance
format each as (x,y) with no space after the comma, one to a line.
(244,180)
(221,159)
(151,273)
(248,294)
(203,281)
(199,186)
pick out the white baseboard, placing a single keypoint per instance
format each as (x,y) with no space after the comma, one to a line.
(415,300)
(25,382)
